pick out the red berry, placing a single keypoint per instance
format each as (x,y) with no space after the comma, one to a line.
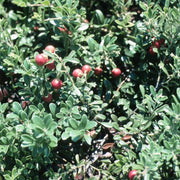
(1,95)
(151,51)
(86,69)
(157,44)
(24,104)
(77,73)
(64,30)
(36,28)
(98,71)
(56,83)
(5,92)
(61,29)
(116,72)
(161,41)
(48,98)
(132,173)
(86,21)
(50,48)
(51,65)
(41,59)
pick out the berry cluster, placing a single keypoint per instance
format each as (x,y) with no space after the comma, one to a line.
(116,72)
(156,44)
(41,60)
(3,93)
(78,73)
(64,29)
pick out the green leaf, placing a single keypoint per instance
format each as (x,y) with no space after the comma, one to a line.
(46,3)
(52,108)
(4,148)
(49,123)
(20,128)
(100,16)
(77,91)
(59,67)
(88,139)
(19,163)
(7,177)
(90,125)
(146,125)
(122,118)
(38,131)
(53,142)
(141,87)
(96,102)
(73,123)
(114,117)
(75,112)
(27,65)
(33,108)
(76,116)
(65,135)
(83,27)
(48,53)
(27,140)
(71,99)
(116,94)
(150,14)
(162,66)
(166,4)
(12,116)
(23,115)
(167,144)
(38,121)
(69,104)
(71,60)
(75,135)
(107,124)
(92,44)
(58,2)
(14,36)
(21,3)
(12,15)
(163,108)
(178,93)
(64,110)
(3,107)
(141,26)
(27,80)
(143,5)
(83,122)
(17,107)
(60,115)
(100,117)
(141,107)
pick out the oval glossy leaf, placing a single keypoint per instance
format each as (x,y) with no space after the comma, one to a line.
(83,27)
(52,108)
(88,139)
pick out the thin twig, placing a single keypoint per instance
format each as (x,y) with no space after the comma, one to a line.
(119,87)
(38,5)
(49,19)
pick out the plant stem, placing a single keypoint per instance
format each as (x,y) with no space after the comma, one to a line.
(69,77)
(119,87)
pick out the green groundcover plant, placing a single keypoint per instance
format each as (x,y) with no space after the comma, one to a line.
(89,89)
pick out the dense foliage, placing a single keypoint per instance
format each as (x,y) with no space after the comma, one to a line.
(62,120)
